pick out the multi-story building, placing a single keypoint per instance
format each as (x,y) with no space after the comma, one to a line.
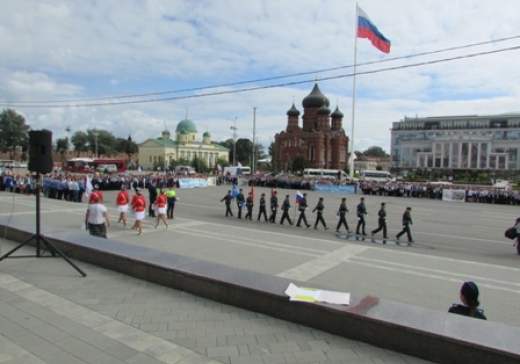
(471,142)
(320,140)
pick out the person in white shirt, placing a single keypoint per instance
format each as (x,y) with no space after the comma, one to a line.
(95,218)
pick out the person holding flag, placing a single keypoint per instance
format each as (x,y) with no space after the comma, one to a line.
(302,206)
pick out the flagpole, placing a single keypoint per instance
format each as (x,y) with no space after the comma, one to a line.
(351,171)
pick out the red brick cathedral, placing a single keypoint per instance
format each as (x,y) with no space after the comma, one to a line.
(321,139)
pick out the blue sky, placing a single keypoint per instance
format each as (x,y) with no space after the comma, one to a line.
(74,50)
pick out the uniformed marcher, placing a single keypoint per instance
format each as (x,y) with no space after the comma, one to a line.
(274,207)
(262,209)
(319,214)
(301,209)
(286,206)
(249,206)
(240,203)
(361,213)
(227,199)
(407,221)
(381,222)
(342,213)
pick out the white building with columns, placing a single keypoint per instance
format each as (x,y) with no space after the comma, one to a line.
(490,142)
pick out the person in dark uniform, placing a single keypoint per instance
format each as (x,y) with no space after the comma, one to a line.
(361,213)
(240,202)
(249,206)
(470,303)
(319,216)
(262,210)
(286,206)
(381,222)
(227,199)
(407,221)
(274,207)
(171,194)
(301,208)
(342,212)
(152,194)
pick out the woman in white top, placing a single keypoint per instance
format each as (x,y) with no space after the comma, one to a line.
(95,218)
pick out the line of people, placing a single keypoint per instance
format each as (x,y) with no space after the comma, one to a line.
(301,201)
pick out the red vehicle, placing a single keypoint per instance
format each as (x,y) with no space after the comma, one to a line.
(88,165)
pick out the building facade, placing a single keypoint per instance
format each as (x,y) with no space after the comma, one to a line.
(186,145)
(320,140)
(457,143)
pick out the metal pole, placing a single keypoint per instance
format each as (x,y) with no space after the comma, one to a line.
(253,169)
(234,128)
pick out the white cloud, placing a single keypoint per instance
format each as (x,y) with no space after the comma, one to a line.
(64,50)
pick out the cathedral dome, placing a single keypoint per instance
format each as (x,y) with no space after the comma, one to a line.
(293,111)
(337,114)
(324,110)
(187,125)
(315,99)
(206,134)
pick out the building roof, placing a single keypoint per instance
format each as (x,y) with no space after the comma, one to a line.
(187,125)
(315,99)
(170,143)
(293,111)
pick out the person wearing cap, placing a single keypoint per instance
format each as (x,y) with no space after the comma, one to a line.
(249,206)
(469,298)
(171,194)
(407,221)
(286,206)
(227,200)
(274,207)
(342,213)
(240,202)
(122,201)
(262,209)
(139,207)
(381,222)
(161,202)
(319,216)
(95,193)
(361,213)
(302,206)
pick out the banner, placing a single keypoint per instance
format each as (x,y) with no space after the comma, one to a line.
(192,183)
(349,189)
(453,195)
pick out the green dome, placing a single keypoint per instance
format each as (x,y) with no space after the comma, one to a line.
(187,125)
(184,132)
(206,134)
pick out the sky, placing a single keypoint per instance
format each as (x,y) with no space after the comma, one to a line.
(136,67)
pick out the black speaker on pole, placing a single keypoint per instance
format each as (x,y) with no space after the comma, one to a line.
(40,151)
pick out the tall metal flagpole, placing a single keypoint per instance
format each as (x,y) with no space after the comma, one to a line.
(351,171)
(253,170)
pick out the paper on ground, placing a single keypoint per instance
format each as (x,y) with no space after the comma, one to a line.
(306,294)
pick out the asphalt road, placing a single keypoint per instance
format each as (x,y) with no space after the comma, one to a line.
(454,242)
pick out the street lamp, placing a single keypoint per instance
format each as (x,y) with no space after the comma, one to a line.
(96,135)
(68,129)
(234,128)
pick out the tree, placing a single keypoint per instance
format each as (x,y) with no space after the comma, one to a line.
(221,161)
(80,142)
(126,146)
(62,146)
(375,151)
(299,163)
(270,150)
(244,151)
(14,132)
(106,142)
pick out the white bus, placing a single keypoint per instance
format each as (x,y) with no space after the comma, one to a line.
(376,176)
(331,174)
(233,171)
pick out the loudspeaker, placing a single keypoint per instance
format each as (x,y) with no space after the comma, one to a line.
(40,151)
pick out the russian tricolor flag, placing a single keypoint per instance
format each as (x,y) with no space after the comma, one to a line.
(366,29)
(299,196)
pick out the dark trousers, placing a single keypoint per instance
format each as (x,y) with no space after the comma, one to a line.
(319,218)
(382,226)
(342,221)
(302,217)
(285,215)
(272,218)
(249,212)
(239,205)
(361,224)
(169,210)
(406,229)
(228,210)
(262,212)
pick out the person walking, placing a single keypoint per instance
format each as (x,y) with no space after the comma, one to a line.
(95,219)
(319,214)
(469,299)
(95,193)
(381,222)
(227,200)
(249,206)
(274,207)
(361,213)
(517,227)
(171,195)
(152,195)
(160,203)
(138,206)
(240,202)
(342,213)
(301,209)
(407,221)
(122,201)
(262,208)
(286,206)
